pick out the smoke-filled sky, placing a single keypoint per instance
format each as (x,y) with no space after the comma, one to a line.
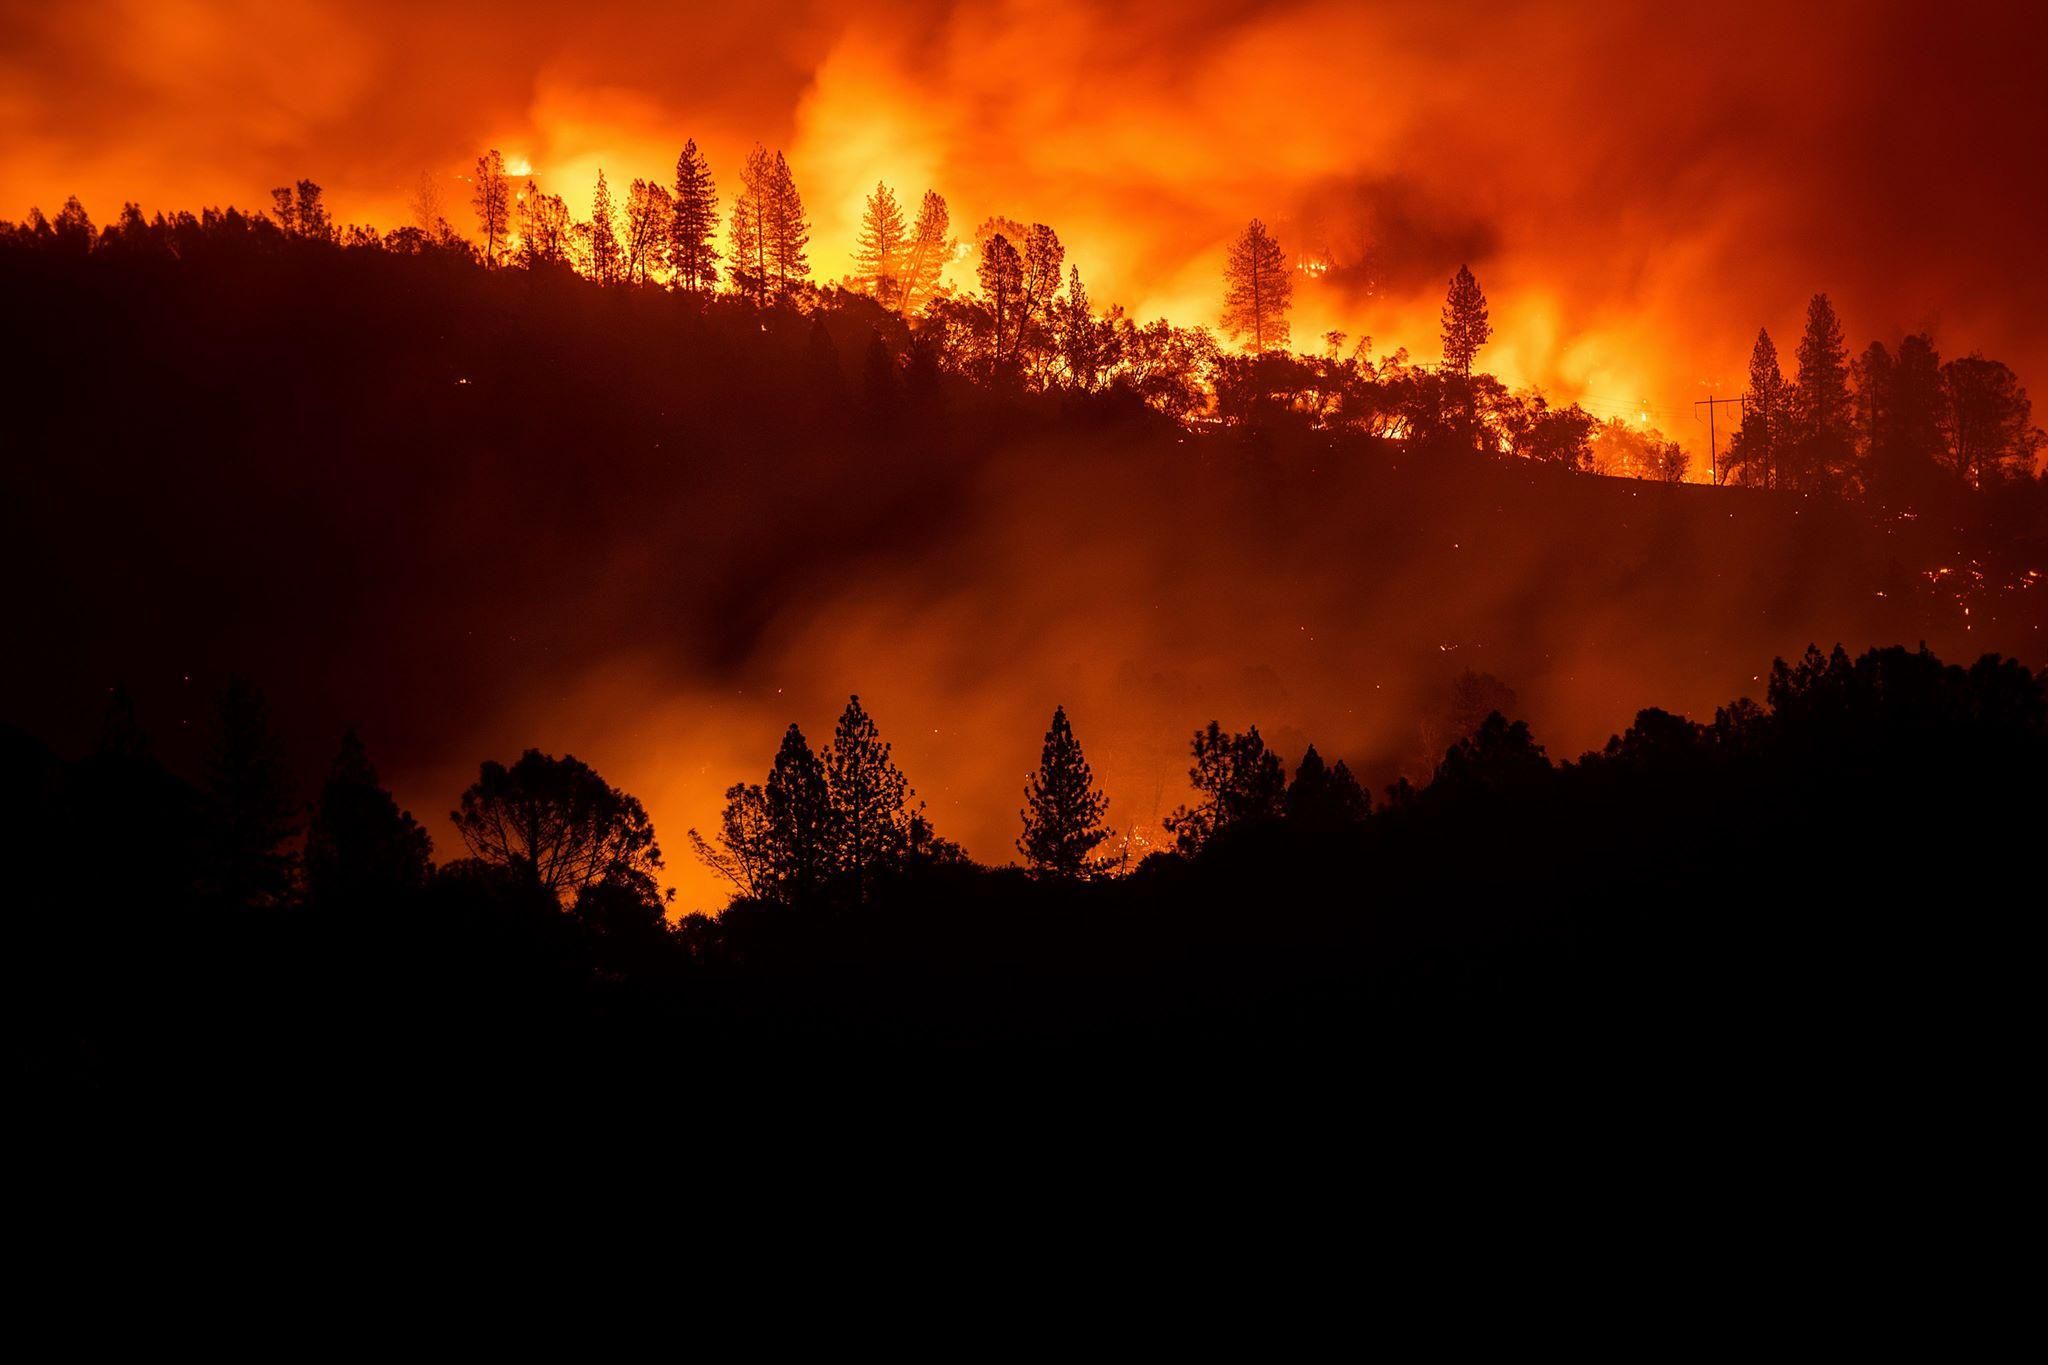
(1639,187)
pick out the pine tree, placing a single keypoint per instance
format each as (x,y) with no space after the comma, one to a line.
(747,264)
(692,248)
(1821,399)
(607,261)
(878,264)
(362,851)
(1753,452)
(1002,288)
(492,200)
(1466,327)
(800,840)
(1323,797)
(1062,809)
(1257,290)
(787,231)
(928,253)
(1043,256)
(868,794)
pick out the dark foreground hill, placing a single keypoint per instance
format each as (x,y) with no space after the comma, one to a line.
(1823,906)
(473,513)
(469,513)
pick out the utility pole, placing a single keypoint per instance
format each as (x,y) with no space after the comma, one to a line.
(1710,403)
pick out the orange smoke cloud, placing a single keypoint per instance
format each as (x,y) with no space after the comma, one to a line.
(1638,192)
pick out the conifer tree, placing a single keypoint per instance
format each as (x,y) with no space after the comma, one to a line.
(1062,809)
(1322,797)
(878,263)
(928,253)
(607,261)
(868,794)
(692,245)
(1043,256)
(1754,450)
(800,841)
(1820,396)
(748,263)
(1002,288)
(1466,327)
(492,199)
(362,851)
(1257,290)
(788,232)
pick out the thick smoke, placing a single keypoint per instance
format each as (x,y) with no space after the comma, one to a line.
(1638,187)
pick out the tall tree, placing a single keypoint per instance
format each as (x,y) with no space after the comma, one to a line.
(1466,327)
(1239,781)
(1753,452)
(649,214)
(1062,811)
(788,231)
(1043,256)
(1823,440)
(800,841)
(556,824)
(744,854)
(252,816)
(362,851)
(928,254)
(492,200)
(1002,292)
(607,261)
(301,213)
(877,256)
(1323,797)
(692,245)
(1257,290)
(752,214)
(1078,335)
(545,229)
(1991,432)
(868,794)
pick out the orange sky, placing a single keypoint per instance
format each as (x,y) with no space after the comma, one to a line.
(1638,187)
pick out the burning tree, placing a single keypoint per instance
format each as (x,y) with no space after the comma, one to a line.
(1257,289)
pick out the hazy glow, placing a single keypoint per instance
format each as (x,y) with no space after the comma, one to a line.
(1636,193)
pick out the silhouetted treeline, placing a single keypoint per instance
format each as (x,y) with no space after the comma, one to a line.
(1907,433)
(1844,876)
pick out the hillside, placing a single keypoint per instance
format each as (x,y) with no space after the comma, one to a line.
(472,513)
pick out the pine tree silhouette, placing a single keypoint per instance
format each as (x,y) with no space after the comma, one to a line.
(1257,290)
(1062,811)
(801,839)
(362,851)
(693,232)
(867,794)
(1466,327)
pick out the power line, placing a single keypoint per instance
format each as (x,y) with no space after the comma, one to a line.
(1711,403)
